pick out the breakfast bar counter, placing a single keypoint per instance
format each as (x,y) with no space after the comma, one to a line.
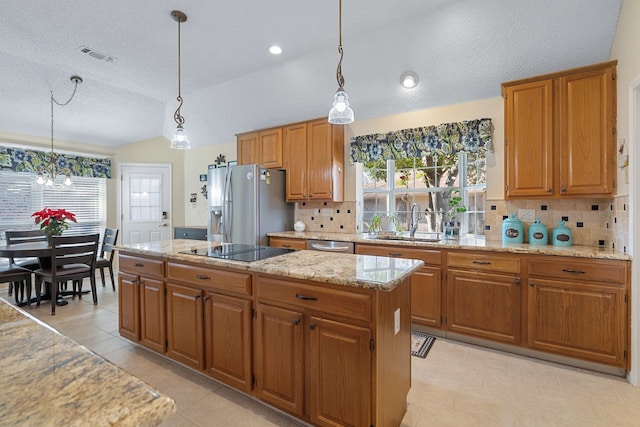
(48,379)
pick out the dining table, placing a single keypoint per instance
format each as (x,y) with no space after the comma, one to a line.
(42,251)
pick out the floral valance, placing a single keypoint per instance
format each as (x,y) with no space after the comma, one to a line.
(446,139)
(26,160)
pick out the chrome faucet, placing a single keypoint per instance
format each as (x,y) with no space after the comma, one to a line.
(414,217)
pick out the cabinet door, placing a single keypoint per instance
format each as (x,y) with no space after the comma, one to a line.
(185,325)
(484,305)
(320,160)
(577,320)
(248,150)
(270,145)
(287,243)
(295,154)
(529,139)
(280,358)
(152,314)
(340,370)
(587,141)
(227,332)
(426,297)
(128,306)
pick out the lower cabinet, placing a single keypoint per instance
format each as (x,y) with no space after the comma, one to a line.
(185,328)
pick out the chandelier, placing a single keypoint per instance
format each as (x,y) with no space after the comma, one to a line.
(47,175)
(340,113)
(180,140)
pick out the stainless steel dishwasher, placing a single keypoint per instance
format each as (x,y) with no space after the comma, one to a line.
(331,246)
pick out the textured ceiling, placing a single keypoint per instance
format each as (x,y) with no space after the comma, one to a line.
(461,49)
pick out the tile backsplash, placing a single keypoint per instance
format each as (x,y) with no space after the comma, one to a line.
(593,222)
(327,216)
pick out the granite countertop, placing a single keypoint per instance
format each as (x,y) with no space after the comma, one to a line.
(48,379)
(361,271)
(469,244)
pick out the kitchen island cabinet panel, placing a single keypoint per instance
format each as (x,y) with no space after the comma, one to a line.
(340,388)
(128,306)
(280,358)
(227,332)
(185,328)
(152,314)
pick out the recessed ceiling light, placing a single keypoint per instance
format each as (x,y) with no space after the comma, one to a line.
(275,49)
(409,80)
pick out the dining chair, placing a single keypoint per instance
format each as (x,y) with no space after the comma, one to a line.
(105,259)
(72,258)
(24,236)
(18,278)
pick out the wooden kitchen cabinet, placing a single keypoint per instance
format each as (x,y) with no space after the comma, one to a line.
(560,134)
(578,308)
(287,243)
(483,296)
(185,328)
(314,161)
(141,304)
(426,283)
(263,147)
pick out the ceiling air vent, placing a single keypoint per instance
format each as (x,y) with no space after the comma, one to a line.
(95,54)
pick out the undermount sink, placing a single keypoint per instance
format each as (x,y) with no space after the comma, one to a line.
(403,238)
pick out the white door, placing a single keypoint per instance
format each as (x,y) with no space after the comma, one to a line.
(145,201)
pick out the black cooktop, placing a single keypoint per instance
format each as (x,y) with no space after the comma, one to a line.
(239,252)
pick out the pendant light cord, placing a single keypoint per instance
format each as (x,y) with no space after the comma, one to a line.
(52,158)
(177,116)
(339,76)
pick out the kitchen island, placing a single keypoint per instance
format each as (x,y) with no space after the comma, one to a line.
(48,379)
(324,337)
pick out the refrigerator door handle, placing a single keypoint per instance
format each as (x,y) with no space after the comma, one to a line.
(226,206)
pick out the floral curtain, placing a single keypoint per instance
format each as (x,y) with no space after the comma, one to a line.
(24,160)
(446,139)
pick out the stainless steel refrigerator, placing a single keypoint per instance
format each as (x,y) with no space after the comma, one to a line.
(245,203)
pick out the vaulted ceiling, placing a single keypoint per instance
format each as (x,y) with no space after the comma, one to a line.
(461,50)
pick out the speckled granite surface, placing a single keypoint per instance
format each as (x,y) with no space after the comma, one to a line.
(363,271)
(48,380)
(470,244)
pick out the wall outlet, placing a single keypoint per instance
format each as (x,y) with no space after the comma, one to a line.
(527,215)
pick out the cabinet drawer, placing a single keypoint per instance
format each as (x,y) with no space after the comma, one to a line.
(598,270)
(211,279)
(284,242)
(142,266)
(485,262)
(429,256)
(342,303)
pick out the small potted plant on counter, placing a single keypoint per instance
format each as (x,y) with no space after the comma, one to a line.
(376,225)
(451,225)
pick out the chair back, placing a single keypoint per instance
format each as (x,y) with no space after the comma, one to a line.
(24,236)
(108,241)
(67,250)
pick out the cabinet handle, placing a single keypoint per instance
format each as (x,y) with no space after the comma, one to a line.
(482,262)
(569,270)
(312,326)
(563,189)
(137,264)
(286,246)
(201,277)
(532,284)
(549,190)
(306,298)
(196,296)
(205,299)
(395,253)
(296,322)
(517,282)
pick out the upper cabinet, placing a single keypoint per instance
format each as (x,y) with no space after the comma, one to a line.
(560,134)
(314,161)
(263,148)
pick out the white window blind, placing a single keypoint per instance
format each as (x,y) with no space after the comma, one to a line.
(20,197)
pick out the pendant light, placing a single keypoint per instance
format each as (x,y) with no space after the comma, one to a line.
(340,113)
(48,175)
(180,140)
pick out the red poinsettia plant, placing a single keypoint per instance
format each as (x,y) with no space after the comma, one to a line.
(53,221)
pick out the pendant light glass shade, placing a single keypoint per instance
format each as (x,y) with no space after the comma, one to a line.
(341,113)
(180,141)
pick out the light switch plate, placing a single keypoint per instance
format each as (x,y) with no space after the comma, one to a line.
(527,215)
